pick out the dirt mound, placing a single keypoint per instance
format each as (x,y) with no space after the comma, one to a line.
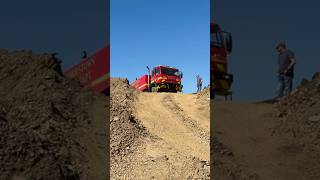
(205,93)
(45,121)
(225,167)
(125,129)
(300,115)
(226,162)
(152,137)
(298,125)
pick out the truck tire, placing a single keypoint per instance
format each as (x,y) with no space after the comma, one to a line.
(154,89)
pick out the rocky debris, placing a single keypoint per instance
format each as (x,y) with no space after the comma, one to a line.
(41,113)
(204,94)
(125,128)
(314,118)
(299,113)
(225,167)
(201,169)
(138,154)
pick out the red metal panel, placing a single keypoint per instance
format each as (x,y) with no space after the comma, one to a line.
(93,72)
(141,83)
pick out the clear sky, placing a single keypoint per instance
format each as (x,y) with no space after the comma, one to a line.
(257,26)
(65,27)
(166,32)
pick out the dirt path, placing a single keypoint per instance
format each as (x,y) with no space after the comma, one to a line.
(178,145)
(245,129)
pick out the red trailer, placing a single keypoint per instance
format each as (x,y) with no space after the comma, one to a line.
(94,71)
(141,83)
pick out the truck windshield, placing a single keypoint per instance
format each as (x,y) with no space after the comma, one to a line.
(216,40)
(169,71)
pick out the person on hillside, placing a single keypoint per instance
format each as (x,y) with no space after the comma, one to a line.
(199,83)
(84,52)
(285,71)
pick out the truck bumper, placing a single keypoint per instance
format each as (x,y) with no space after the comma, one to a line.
(222,83)
(165,87)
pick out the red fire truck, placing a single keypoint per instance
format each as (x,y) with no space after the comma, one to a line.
(220,48)
(160,79)
(93,72)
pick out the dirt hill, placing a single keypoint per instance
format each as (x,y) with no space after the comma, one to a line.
(49,126)
(159,135)
(271,140)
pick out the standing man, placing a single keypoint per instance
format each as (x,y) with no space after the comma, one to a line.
(199,83)
(286,62)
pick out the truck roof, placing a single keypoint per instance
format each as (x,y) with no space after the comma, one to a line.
(166,66)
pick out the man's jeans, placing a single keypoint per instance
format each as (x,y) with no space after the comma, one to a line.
(284,85)
(199,87)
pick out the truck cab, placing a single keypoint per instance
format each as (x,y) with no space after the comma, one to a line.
(165,78)
(220,48)
(160,79)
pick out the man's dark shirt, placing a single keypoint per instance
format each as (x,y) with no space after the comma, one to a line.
(199,79)
(284,62)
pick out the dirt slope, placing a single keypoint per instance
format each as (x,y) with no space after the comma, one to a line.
(171,139)
(172,118)
(48,123)
(180,130)
(246,130)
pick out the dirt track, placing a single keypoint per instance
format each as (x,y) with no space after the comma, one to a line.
(177,145)
(246,130)
(178,120)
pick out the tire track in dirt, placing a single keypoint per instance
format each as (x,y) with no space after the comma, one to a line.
(190,123)
(171,150)
(156,112)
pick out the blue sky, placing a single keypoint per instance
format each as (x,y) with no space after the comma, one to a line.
(153,32)
(65,27)
(257,26)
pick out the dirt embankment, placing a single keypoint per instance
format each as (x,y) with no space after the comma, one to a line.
(126,131)
(271,141)
(226,164)
(48,128)
(299,123)
(166,135)
(299,112)
(205,93)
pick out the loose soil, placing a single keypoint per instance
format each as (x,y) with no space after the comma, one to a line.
(270,140)
(50,126)
(169,135)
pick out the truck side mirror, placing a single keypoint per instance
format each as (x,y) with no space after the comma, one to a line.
(181,74)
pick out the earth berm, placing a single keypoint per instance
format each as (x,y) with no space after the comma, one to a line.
(50,126)
(158,135)
(272,140)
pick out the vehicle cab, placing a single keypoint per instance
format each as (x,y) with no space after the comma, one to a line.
(220,48)
(165,78)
